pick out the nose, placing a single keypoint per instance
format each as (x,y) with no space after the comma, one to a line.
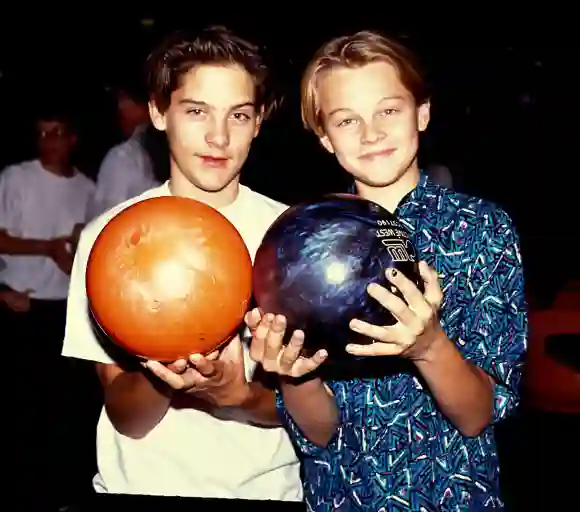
(218,135)
(372,133)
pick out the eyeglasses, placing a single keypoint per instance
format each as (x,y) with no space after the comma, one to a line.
(52,133)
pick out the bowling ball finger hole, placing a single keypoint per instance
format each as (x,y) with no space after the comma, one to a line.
(135,238)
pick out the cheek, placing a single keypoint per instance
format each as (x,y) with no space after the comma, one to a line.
(184,134)
(346,149)
(345,142)
(406,129)
(241,138)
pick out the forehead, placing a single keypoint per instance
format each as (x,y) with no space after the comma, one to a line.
(358,87)
(219,86)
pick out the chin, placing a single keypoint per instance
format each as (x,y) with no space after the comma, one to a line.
(212,185)
(375,179)
(381,176)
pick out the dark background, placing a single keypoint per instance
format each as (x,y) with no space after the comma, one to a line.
(504,119)
(504,103)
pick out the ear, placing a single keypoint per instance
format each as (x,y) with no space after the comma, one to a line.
(157,118)
(326,144)
(423,116)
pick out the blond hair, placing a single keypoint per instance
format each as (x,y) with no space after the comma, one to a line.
(353,51)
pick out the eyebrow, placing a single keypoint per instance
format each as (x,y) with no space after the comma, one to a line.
(342,109)
(188,101)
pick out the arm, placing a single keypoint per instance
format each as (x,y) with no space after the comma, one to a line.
(236,399)
(313,409)
(134,403)
(258,407)
(24,247)
(463,391)
(475,382)
(495,323)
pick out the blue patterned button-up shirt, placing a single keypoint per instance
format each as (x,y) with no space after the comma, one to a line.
(394,450)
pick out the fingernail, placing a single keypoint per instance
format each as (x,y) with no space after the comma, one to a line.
(322,353)
(195,357)
(394,272)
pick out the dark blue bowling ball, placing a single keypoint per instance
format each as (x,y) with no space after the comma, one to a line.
(316,261)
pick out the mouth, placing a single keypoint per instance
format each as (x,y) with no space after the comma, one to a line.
(213,160)
(377,154)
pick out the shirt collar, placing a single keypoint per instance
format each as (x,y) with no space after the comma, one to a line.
(423,198)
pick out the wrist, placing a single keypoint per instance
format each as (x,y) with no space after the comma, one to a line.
(439,348)
(290,386)
(245,398)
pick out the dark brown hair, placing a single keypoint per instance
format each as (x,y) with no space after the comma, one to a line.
(181,52)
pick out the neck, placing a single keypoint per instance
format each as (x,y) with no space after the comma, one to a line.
(59,168)
(180,186)
(389,196)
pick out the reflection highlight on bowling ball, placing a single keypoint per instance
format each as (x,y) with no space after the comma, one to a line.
(315,262)
(168,277)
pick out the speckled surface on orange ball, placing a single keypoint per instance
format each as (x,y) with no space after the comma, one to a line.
(168,277)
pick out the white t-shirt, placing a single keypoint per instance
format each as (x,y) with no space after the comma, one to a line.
(189,453)
(37,204)
(126,172)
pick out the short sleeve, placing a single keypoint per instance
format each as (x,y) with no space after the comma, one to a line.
(347,438)
(495,323)
(10,193)
(80,339)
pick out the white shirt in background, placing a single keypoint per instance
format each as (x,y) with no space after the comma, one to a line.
(38,204)
(126,172)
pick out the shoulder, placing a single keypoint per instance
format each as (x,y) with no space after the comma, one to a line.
(254,216)
(479,219)
(119,152)
(264,204)
(18,170)
(18,176)
(259,210)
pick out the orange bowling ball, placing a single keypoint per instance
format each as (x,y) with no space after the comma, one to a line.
(168,277)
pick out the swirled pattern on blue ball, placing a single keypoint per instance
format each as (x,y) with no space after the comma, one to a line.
(316,261)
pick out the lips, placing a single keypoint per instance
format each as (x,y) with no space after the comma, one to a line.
(377,154)
(211,158)
(214,161)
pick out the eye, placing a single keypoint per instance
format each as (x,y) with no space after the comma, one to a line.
(390,111)
(195,111)
(345,122)
(241,117)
